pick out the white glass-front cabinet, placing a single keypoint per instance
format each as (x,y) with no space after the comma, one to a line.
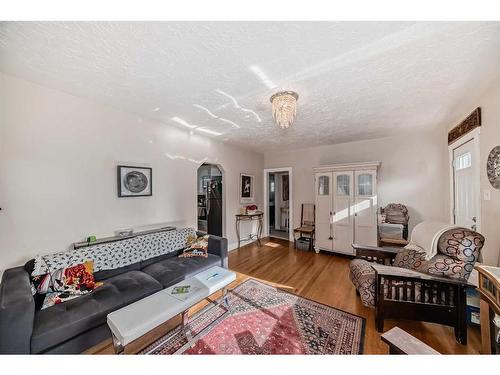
(323,223)
(346,206)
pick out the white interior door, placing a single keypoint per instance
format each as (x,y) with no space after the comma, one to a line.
(324,203)
(466,210)
(343,211)
(365,207)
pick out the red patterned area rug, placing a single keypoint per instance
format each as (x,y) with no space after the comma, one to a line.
(265,320)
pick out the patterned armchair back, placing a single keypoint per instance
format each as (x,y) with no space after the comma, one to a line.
(458,251)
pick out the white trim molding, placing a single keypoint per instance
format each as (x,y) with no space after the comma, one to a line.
(472,136)
(348,166)
(265,232)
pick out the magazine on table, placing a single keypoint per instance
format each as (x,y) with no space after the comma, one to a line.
(182,292)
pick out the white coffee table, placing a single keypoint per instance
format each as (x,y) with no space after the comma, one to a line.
(133,321)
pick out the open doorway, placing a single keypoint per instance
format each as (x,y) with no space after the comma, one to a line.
(210,203)
(278,204)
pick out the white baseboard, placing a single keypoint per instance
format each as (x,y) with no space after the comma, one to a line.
(234,246)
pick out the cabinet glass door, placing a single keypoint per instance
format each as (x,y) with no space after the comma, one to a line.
(365,207)
(343,184)
(365,184)
(342,218)
(324,185)
(324,190)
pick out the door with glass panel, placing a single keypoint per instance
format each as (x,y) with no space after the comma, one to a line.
(365,207)
(324,211)
(465,194)
(343,215)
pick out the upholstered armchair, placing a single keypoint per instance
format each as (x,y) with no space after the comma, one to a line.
(402,284)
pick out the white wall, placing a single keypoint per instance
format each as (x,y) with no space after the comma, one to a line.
(413,166)
(489,138)
(58,157)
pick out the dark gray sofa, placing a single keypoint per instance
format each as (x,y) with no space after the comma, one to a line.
(78,324)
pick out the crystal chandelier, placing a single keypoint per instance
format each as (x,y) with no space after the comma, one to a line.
(284,108)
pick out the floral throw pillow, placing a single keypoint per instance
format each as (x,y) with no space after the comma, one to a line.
(196,247)
(68,283)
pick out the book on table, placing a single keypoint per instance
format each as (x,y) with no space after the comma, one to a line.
(183,292)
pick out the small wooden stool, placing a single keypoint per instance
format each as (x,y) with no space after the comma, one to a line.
(401,342)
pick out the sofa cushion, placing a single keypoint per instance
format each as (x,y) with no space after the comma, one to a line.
(410,258)
(173,270)
(458,249)
(445,266)
(461,244)
(106,274)
(149,261)
(59,323)
(363,277)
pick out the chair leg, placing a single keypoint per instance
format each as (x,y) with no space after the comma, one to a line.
(379,321)
(461,334)
(461,317)
(461,326)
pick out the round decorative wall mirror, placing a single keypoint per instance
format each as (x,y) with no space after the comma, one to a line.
(493,167)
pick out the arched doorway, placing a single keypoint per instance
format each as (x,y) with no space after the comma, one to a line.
(210,202)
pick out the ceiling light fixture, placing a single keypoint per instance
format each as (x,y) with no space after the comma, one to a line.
(284,105)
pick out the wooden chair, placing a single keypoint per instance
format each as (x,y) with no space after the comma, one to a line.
(307,224)
(394,213)
(402,284)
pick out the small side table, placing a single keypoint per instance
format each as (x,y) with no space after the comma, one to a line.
(401,342)
(258,216)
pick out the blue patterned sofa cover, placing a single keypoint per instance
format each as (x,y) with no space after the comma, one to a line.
(131,269)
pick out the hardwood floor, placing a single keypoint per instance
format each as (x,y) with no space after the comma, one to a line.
(320,277)
(325,278)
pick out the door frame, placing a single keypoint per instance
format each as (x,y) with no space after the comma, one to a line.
(266,200)
(223,171)
(472,136)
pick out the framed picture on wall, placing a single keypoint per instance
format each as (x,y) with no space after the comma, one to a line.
(134,181)
(247,188)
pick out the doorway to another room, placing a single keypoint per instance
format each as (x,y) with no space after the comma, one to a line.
(278,204)
(210,202)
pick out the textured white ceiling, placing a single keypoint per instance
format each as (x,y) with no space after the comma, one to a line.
(356,80)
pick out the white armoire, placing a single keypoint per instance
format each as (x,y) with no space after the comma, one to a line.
(346,206)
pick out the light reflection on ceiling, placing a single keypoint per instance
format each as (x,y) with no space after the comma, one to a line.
(356,80)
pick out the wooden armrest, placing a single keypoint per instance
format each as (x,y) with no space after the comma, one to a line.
(403,272)
(394,241)
(386,250)
(379,252)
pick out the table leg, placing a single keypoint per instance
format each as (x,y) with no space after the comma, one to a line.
(224,298)
(185,325)
(238,231)
(117,346)
(259,231)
